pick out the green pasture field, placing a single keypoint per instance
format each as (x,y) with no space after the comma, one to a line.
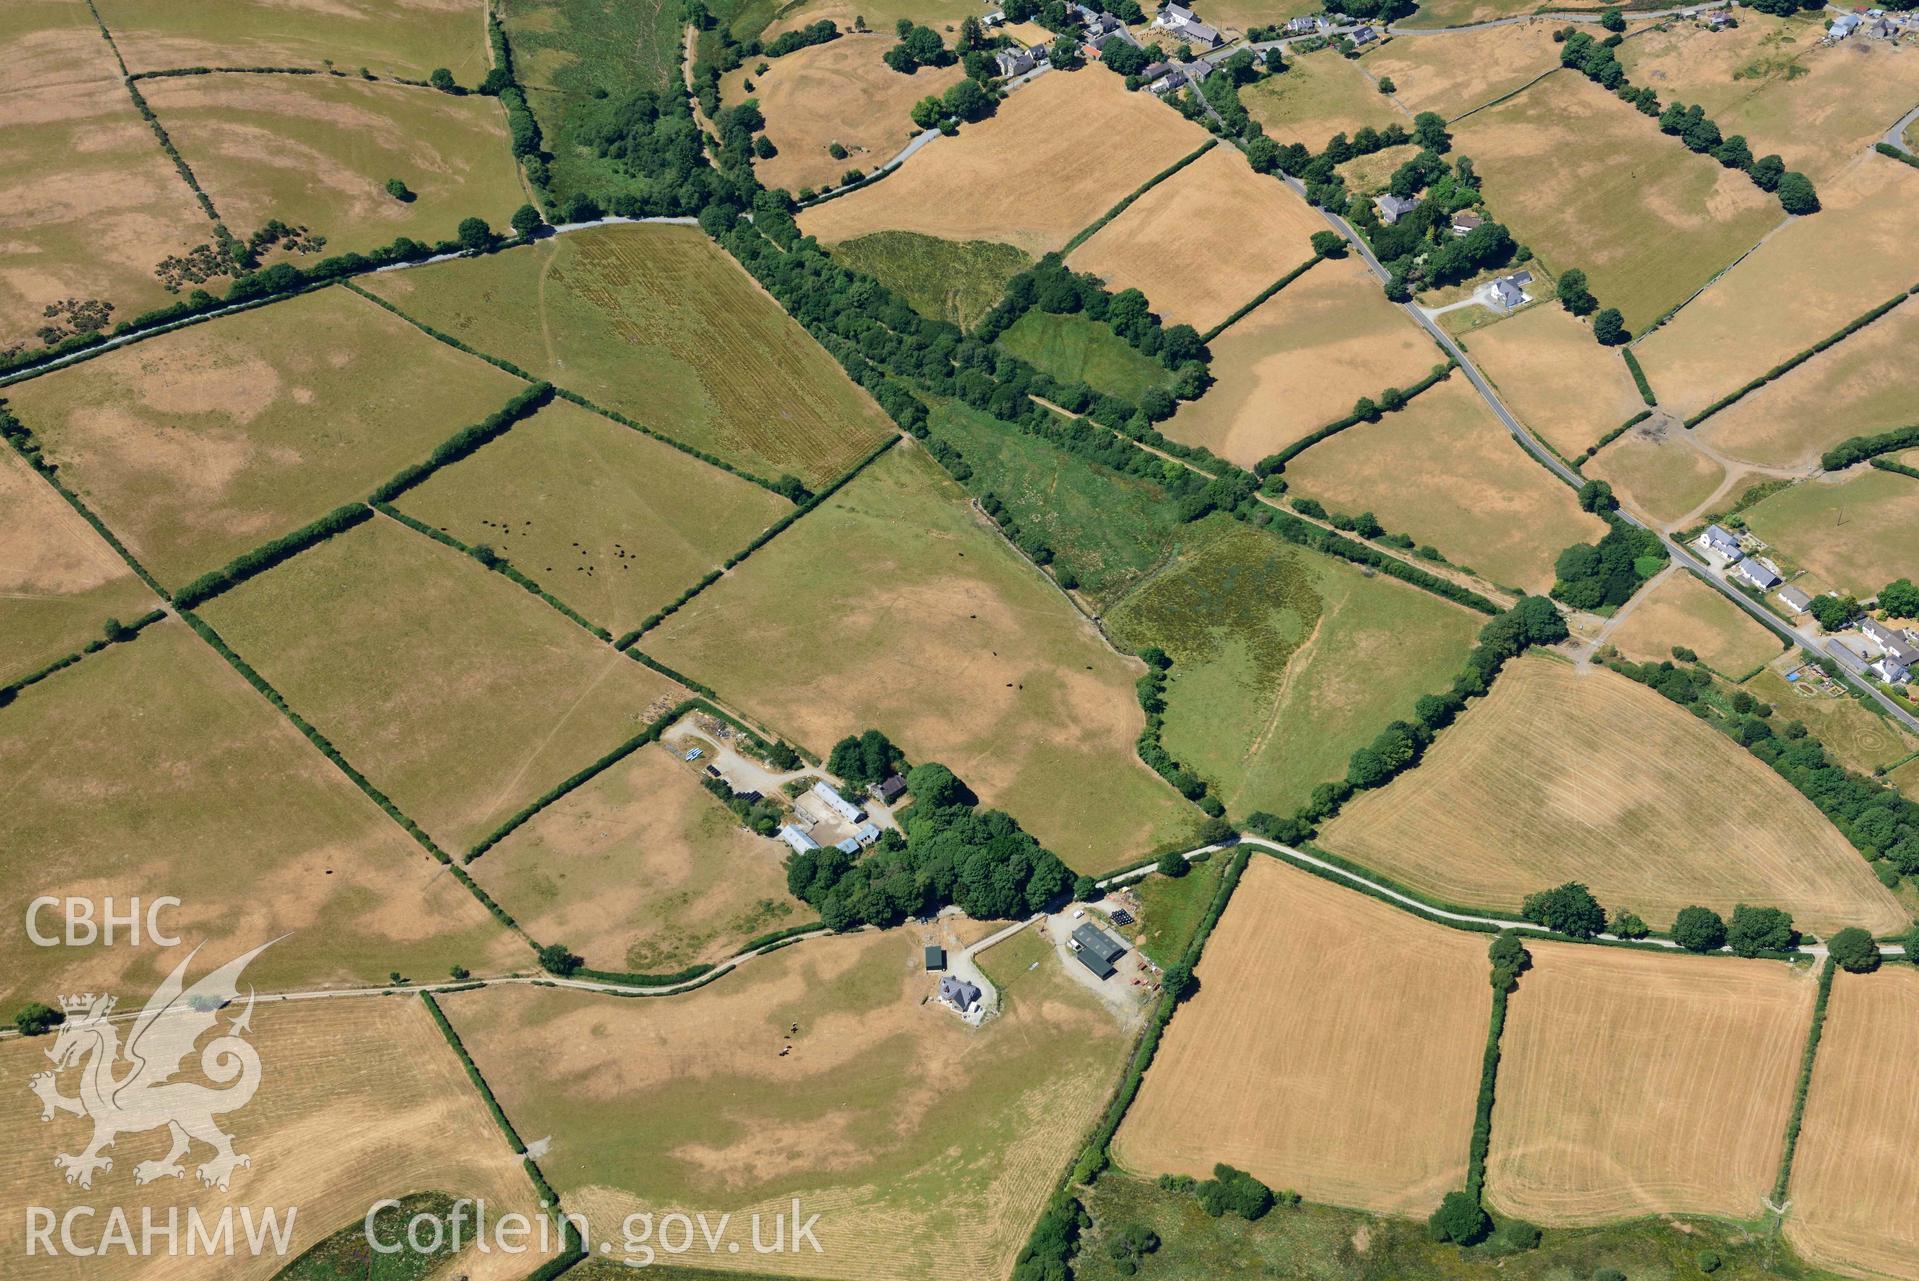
(206,442)
(318,151)
(1323,1243)
(1285,661)
(1074,349)
(894,606)
(1318,95)
(930,1146)
(657,323)
(641,872)
(1171,909)
(940,279)
(612,522)
(407,38)
(1459,13)
(570,53)
(457,693)
(1588,182)
(1111,529)
(150,769)
(59,581)
(1856,531)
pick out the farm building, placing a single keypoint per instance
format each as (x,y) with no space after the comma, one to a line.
(800,841)
(1756,572)
(1793,599)
(1097,950)
(1717,542)
(935,958)
(1844,25)
(890,789)
(1183,23)
(865,834)
(847,846)
(837,803)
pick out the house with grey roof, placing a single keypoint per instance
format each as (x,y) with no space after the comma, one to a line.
(1365,36)
(958,993)
(1756,572)
(1097,950)
(1465,222)
(1392,208)
(1793,599)
(1717,543)
(1302,26)
(1844,25)
(1184,25)
(1506,294)
(1014,62)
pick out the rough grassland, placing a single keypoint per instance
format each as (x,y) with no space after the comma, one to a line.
(1634,1084)
(1770,79)
(460,695)
(641,871)
(1320,94)
(1284,662)
(835,625)
(1864,385)
(317,151)
(661,325)
(1234,16)
(926,1147)
(614,523)
(1548,369)
(1333,1048)
(1588,182)
(881,15)
(152,769)
(388,37)
(1074,349)
(208,441)
(940,279)
(1854,1186)
(59,581)
(1300,360)
(1445,472)
(1454,13)
(1657,470)
(89,204)
(1216,199)
(1852,730)
(358,1100)
(1057,154)
(1454,73)
(1680,610)
(841,91)
(1558,776)
(1810,280)
(1855,530)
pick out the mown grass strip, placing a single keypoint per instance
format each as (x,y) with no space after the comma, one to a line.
(1263,297)
(1787,366)
(1088,232)
(1638,376)
(1800,1091)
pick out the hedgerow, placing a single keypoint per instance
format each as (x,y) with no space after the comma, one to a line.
(1638,376)
(1792,363)
(1265,295)
(1087,233)
(1612,435)
(473,1075)
(499,565)
(466,441)
(267,555)
(1804,1085)
(1392,400)
(1857,449)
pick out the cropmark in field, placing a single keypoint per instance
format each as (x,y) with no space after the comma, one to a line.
(1456,72)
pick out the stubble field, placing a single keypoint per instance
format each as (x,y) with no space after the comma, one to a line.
(1217,198)
(460,695)
(847,618)
(1634,1084)
(1333,1048)
(926,1147)
(1557,776)
(203,443)
(359,1100)
(1559,382)
(657,323)
(1444,471)
(388,37)
(1855,1187)
(1057,154)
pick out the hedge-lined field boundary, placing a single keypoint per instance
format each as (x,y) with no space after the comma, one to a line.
(1903,157)
(1611,436)
(1482,1139)
(129,632)
(28,447)
(499,565)
(1260,299)
(269,554)
(466,441)
(1092,229)
(1793,362)
(1886,464)
(1306,534)
(1273,464)
(1804,1086)
(473,1074)
(1858,449)
(1638,376)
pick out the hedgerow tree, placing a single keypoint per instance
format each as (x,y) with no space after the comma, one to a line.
(1329,244)
(1609,327)
(474,234)
(1232,1191)
(37,1019)
(1699,929)
(1459,1219)
(1569,909)
(1900,598)
(555,959)
(1627,925)
(526,220)
(1573,294)
(1753,930)
(1510,959)
(1796,193)
(1854,950)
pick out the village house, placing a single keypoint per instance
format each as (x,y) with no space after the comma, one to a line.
(1717,543)
(1392,208)
(1756,572)
(1302,26)
(1466,222)
(1184,25)
(1365,36)
(1898,651)
(890,789)
(1017,62)
(1508,292)
(959,994)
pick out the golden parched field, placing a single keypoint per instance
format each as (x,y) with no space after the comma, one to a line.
(1299,360)
(317,151)
(152,769)
(1855,1177)
(1681,610)
(894,606)
(1443,471)
(1634,1084)
(1658,470)
(359,1100)
(1333,1048)
(1865,384)
(1561,776)
(1059,152)
(458,694)
(1454,73)
(1811,279)
(203,443)
(89,204)
(841,91)
(926,1147)
(640,871)
(1560,383)
(388,37)
(660,324)
(59,581)
(1588,182)
(1854,530)
(1216,200)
